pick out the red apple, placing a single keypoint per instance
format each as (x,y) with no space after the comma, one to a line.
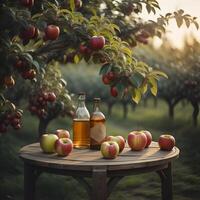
(28,33)
(47,142)
(61,133)
(149,137)
(52,32)
(78,4)
(109,149)
(166,142)
(51,96)
(19,64)
(27,3)
(97,42)
(105,79)
(120,141)
(29,74)
(113,91)
(82,49)
(63,146)
(111,76)
(137,140)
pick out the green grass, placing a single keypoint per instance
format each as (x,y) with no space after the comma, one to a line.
(140,187)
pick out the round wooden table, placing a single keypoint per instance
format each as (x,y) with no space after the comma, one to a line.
(105,173)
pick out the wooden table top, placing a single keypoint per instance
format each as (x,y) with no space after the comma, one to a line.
(86,159)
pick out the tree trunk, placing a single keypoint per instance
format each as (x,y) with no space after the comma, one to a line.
(43,123)
(155,102)
(195,112)
(133,106)
(171,109)
(125,110)
(110,105)
(145,102)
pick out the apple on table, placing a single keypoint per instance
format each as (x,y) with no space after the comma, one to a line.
(47,142)
(120,141)
(109,149)
(149,137)
(137,140)
(166,142)
(63,146)
(62,133)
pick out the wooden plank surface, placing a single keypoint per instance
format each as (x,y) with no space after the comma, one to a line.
(86,159)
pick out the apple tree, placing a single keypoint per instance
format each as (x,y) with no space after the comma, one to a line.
(182,68)
(38,35)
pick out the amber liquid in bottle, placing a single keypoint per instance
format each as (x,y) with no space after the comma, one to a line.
(81,131)
(81,125)
(97,127)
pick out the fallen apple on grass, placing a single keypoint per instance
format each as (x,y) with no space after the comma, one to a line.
(63,146)
(109,149)
(149,137)
(120,141)
(47,142)
(137,140)
(62,133)
(166,142)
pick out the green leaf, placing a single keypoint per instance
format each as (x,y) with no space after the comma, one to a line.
(168,14)
(2,98)
(36,64)
(76,59)
(116,27)
(179,20)
(28,57)
(148,7)
(104,69)
(196,25)
(187,22)
(137,79)
(72,5)
(120,87)
(156,73)
(181,11)
(153,86)
(144,87)
(136,96)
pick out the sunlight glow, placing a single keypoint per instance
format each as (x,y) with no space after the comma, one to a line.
(174,34)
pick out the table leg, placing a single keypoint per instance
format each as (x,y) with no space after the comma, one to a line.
(29,182)
(99,184)
(166,181)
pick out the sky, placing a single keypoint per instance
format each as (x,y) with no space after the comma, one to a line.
(176,35)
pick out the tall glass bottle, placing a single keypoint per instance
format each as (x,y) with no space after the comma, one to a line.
(81,125)
(97,126)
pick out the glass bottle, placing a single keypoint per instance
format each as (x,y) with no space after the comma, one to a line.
(81,125)
(97,126)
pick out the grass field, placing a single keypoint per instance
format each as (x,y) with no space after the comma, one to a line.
(186,169)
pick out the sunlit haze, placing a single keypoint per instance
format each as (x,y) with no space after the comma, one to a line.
(176,35)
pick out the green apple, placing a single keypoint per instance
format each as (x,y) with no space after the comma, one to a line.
(47,142)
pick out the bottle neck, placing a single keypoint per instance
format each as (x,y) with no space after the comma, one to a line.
(96,107)
(81,103)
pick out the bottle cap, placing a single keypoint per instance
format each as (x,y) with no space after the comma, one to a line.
(97,99)
(81,93)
